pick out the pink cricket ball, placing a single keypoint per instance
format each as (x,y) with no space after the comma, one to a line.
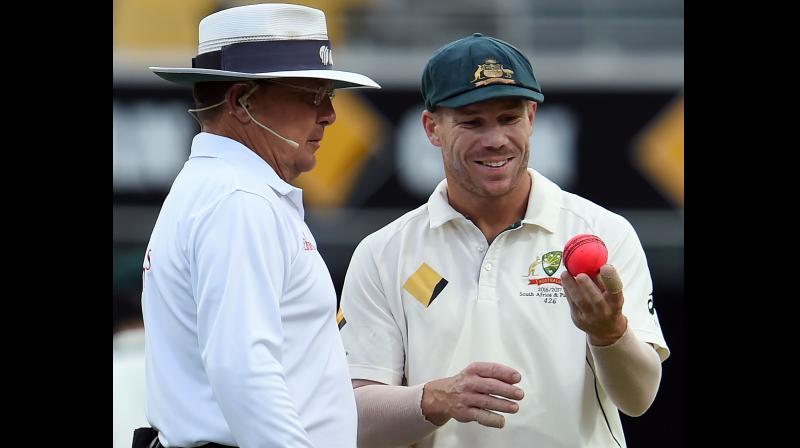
(585,253)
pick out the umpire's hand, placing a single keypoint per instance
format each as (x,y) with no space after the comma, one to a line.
(469,396)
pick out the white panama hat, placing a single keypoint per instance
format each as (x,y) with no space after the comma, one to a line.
(264,41)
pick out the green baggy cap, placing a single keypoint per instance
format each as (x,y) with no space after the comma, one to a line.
(477,68)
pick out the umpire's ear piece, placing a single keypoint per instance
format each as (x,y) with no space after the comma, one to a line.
(243,100)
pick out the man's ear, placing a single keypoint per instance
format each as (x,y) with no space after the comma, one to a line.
(237,98)
(430,121)
(532,111)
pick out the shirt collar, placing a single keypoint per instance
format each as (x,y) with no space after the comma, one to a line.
(243,158)
(544,204)
(439,208)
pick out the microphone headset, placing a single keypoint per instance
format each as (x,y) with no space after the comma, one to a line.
(243,101)
(246,105)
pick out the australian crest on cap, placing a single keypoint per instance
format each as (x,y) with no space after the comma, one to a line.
(491,72)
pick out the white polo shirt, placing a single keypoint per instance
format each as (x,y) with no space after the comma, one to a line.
(242,346)
(426,295)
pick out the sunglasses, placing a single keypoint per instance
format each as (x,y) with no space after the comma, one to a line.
(319,93)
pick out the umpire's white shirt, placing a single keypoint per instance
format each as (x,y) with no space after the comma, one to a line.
(242,346)
(426,295)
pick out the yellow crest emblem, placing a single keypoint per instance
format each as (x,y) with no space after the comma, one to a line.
(491,72)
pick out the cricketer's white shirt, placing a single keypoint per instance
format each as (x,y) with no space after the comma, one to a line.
(425,296)
(242,346)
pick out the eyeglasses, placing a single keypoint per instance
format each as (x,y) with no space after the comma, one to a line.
(319,94)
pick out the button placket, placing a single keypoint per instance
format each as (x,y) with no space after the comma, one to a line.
(487,282)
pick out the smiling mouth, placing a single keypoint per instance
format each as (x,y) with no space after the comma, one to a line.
(493,163)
